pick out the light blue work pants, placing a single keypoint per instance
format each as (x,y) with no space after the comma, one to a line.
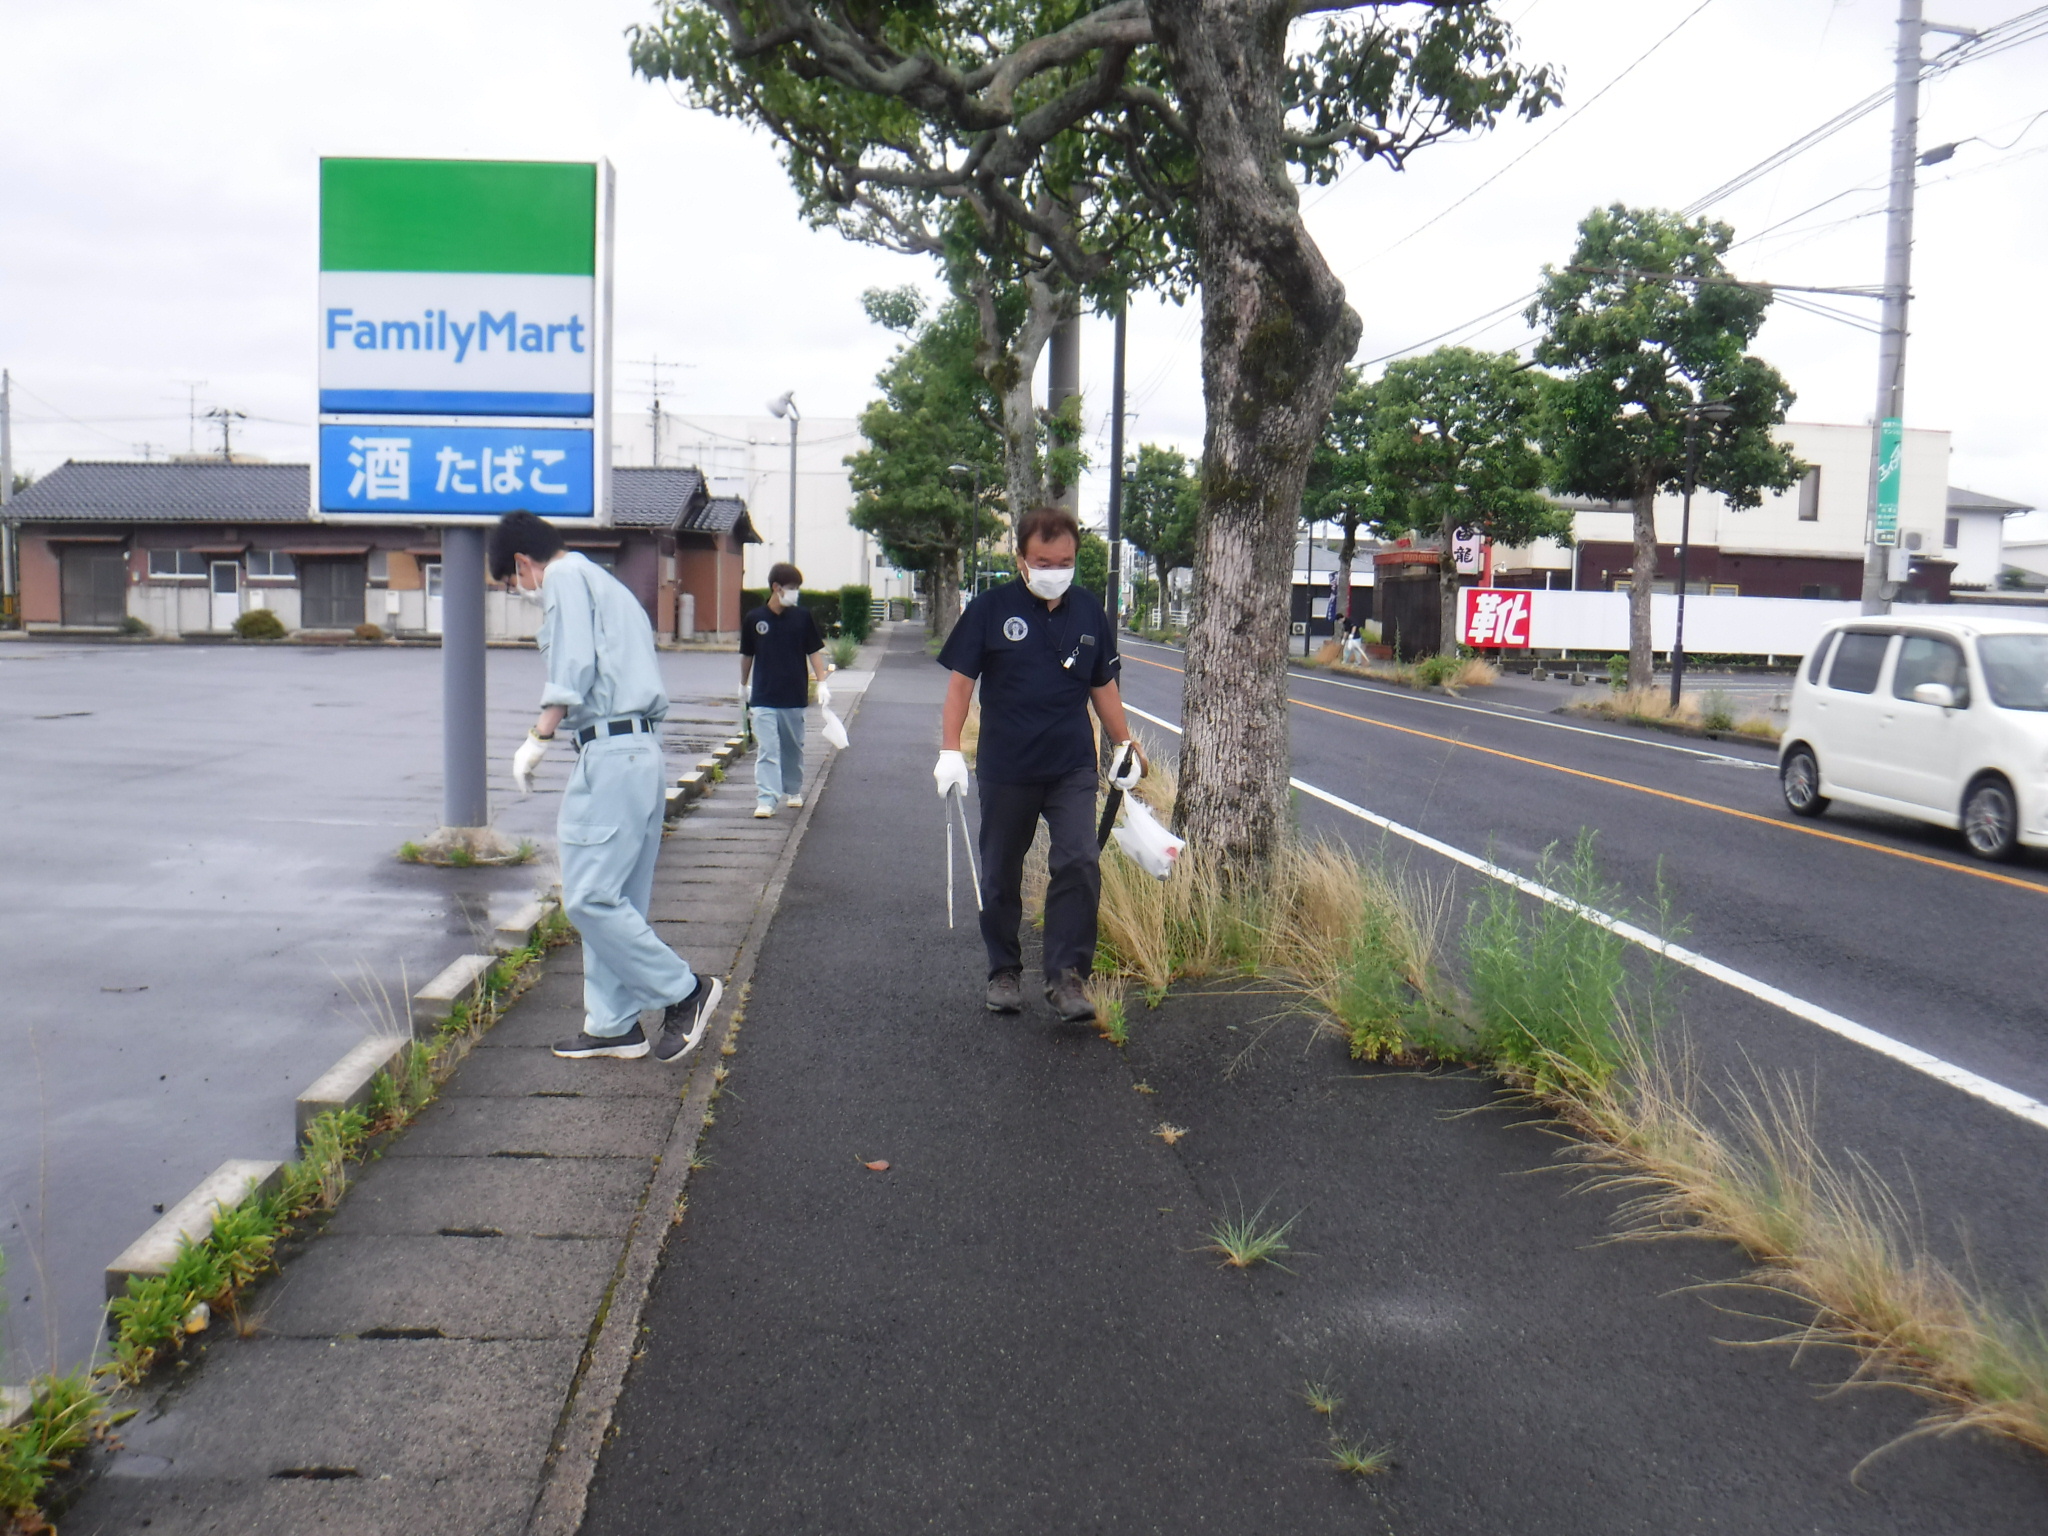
(779,762)
(610,831)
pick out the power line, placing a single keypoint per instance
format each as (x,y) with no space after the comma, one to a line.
(1563,123)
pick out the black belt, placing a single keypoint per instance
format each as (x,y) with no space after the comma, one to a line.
(626,727)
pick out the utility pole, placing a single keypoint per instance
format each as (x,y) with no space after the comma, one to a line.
(1888,424)
(655,369)
(1116,470)
(227,419)
(784,404)
(9,605)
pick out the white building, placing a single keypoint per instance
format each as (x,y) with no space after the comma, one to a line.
(748,457)
(1974,537)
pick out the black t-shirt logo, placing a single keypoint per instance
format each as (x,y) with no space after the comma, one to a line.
(1014,628)
(760,626)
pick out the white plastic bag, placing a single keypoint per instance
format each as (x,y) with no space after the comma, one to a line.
(833,727)
(1146,843)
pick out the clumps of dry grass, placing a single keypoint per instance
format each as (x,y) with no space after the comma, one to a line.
(1748,1167)
(1450,673)
(1652,706)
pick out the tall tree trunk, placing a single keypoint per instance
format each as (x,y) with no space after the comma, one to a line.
(1642,580)
(1347,553)
(1276,334)
(946,593)
(1008,364)
(1447,589)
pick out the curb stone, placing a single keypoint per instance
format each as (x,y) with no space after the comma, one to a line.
(348,1082)
(437,999)
(191,1218)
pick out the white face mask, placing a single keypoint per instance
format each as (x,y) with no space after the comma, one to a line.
(1048,584)
(786,596)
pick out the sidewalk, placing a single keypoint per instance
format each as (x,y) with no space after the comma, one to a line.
(443,1356)
(1014,1327)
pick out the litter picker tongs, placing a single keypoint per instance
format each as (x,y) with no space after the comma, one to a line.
(956,803)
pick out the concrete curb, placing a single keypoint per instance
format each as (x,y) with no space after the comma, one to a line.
(437,999)
(191,1218)
(579,1440)
(14,1405)
(520,929)
(347,1083)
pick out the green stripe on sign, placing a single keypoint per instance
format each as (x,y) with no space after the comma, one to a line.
(458,216)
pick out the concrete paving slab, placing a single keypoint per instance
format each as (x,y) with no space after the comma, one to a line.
(466,1287)
(462,1127)
(519,1196)
(542,1074)
(174,1506)
(420,1408)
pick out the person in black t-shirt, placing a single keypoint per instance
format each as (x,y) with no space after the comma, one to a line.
(1043,651)
(779,643)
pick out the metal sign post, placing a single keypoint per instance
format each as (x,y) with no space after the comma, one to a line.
(464,363)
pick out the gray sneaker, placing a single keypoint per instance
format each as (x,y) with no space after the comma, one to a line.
(1006,992)
(1069,1000)
(684,1022)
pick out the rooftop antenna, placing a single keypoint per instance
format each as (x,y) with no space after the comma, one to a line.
(655,369)
(192,388)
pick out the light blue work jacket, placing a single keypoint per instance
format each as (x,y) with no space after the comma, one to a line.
(598,645)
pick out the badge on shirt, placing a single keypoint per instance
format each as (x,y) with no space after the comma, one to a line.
(760,626)
(1014,628)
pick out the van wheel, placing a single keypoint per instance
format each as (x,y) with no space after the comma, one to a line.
(1991,821)
(1799,778)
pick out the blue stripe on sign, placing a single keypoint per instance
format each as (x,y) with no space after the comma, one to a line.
(454,402)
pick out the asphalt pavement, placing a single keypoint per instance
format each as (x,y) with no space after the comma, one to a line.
(201,890)
(943,1272)
(1887,922)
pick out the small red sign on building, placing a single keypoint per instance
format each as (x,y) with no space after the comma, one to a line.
(1494,618)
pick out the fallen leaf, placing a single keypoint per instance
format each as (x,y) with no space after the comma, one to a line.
(1170,1133)
(880,1165)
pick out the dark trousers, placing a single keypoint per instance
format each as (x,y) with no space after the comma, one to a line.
(1009,820)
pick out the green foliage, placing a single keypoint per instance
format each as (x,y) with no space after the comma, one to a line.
(131,625)
(1617,672)
(64,1412)
(1717,710)
(845,651)
(1373,1002)
(1435,671)
(1245,1239)
(936,410)
(259,624)
(1549,989)
(369,632)
(1452,447)
(410,852)
(1091,564)
(856,613)
(1162,507)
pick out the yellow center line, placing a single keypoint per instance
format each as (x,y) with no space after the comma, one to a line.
(1662,794)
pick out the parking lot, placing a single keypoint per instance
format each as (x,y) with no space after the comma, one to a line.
(201,892)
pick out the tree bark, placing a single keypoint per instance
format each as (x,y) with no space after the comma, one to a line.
(1447,589)
(1347,554)
(1642,580)
(1008,364)
(1276,334)
(946,593)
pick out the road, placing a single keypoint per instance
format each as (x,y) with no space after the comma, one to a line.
(200,888)
(1883,921)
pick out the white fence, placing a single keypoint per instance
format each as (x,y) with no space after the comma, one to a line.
(1714,626)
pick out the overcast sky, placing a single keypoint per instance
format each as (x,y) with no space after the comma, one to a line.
(159,210)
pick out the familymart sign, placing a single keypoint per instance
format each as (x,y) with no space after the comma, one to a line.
(464,332)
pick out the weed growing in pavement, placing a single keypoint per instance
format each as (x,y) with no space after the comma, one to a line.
(64,1414)
(410,852)
(1321,1397)
(1358,1458)
(1245,1239)
(1617,672)
(1717,710)
(845,651)
(1108,999)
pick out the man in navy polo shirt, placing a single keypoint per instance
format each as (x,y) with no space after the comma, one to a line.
(1044,651)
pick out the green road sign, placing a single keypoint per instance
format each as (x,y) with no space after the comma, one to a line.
(1891,445)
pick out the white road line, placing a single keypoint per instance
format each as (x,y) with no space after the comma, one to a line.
(1522,715)
(2008,1099)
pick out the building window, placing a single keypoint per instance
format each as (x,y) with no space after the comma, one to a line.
(170,564)
(1825,591)
(1809,495)
(273,564)
(603,559)
(380,566)
(1724,589)
(1951,530)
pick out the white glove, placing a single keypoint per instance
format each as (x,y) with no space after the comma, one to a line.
(526,759)
(824,696)
(1131,767)
(744,690)
(951,774)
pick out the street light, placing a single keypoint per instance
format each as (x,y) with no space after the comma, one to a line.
(782,405)
(1706,410)
(974,471)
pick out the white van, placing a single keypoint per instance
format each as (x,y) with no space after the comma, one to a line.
(1939,718)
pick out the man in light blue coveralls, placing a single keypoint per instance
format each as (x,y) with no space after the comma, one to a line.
(604,692)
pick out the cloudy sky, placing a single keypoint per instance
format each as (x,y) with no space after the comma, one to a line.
(158,197)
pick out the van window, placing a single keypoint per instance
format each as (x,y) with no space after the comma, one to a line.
(1820,658)
(2015,670)
(1859,657)
(1930,659)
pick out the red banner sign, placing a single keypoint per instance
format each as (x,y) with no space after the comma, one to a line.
(1495,618)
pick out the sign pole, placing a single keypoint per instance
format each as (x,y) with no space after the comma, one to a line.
(465,799)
